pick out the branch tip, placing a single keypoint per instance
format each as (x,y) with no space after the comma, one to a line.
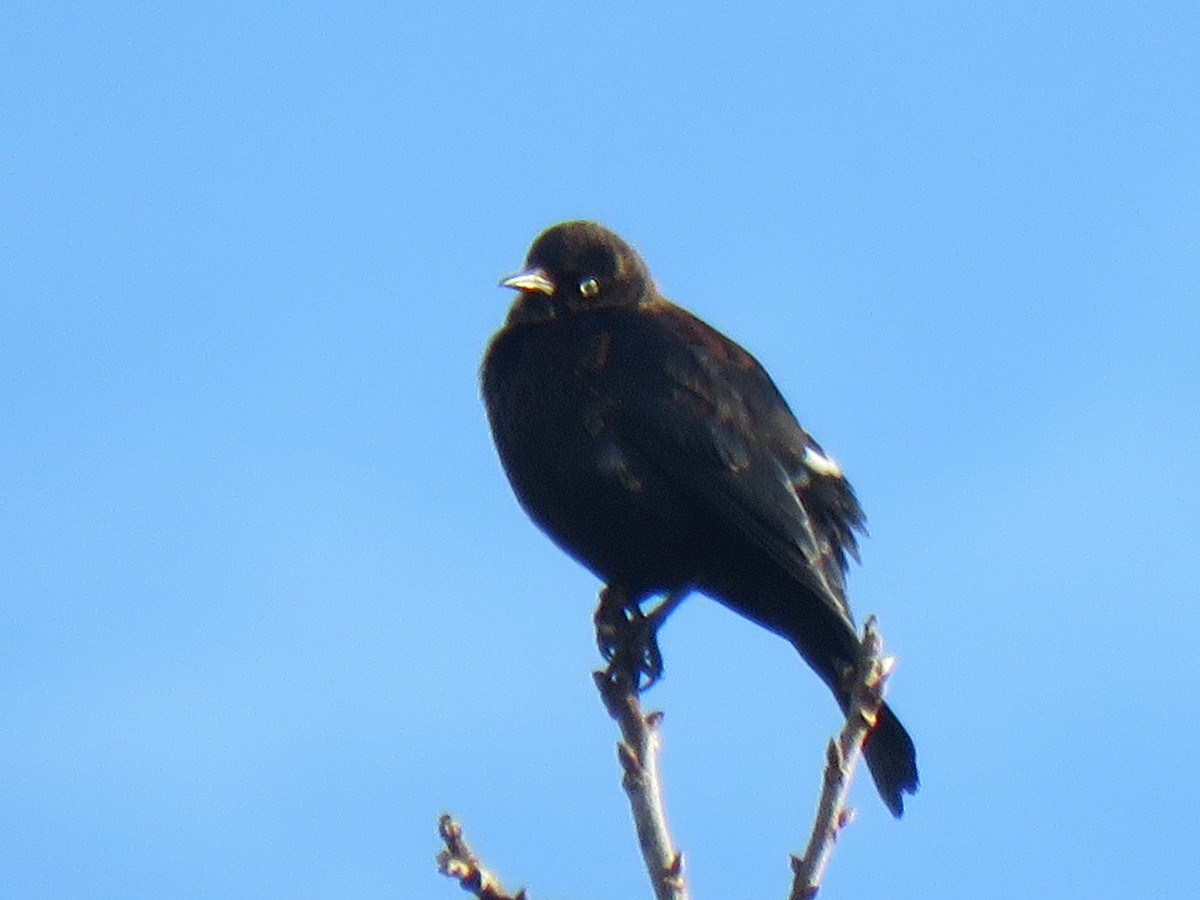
(458,861)
(865,684)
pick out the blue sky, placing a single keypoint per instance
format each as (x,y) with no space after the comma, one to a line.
(268,604)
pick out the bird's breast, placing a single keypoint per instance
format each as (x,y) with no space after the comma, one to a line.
(557,421)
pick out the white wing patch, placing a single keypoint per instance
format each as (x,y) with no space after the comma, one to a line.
(820,463)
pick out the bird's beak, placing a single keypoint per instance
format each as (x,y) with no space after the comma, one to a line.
(530,280)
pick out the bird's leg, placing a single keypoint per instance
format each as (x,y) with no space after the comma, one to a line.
(659,614)
(611,618)
(628,637)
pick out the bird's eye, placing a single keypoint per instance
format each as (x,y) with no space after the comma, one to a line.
(589,287)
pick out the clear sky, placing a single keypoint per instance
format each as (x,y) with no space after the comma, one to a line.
(267,605)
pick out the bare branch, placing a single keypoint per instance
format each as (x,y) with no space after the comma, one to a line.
(628,637)
(841,757)
(639,748)
(457,860)
(638,753)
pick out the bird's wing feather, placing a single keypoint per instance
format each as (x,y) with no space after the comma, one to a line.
(740,450)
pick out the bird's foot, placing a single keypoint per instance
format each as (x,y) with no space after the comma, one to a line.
(628,637)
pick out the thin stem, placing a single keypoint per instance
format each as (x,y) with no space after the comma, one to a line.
(638,752)
(841,758)
(458,861)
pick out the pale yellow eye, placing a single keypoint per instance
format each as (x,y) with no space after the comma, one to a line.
(589,287)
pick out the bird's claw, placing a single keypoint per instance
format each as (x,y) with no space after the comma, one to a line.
(628,639)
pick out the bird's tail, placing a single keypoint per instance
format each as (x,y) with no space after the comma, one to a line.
(829,644)
(892,760)
(888,749)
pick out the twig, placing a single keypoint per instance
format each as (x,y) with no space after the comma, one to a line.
(457,860)
(866,696)
(638,752)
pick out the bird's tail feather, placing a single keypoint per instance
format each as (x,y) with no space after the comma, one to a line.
(888,749)
(892,760)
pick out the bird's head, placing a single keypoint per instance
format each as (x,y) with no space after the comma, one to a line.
(577,267)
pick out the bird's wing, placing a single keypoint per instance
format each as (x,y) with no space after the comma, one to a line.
(716,425)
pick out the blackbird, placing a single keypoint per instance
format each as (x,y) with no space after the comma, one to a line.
(659,454)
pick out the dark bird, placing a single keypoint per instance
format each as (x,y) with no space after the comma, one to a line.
(659,454)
